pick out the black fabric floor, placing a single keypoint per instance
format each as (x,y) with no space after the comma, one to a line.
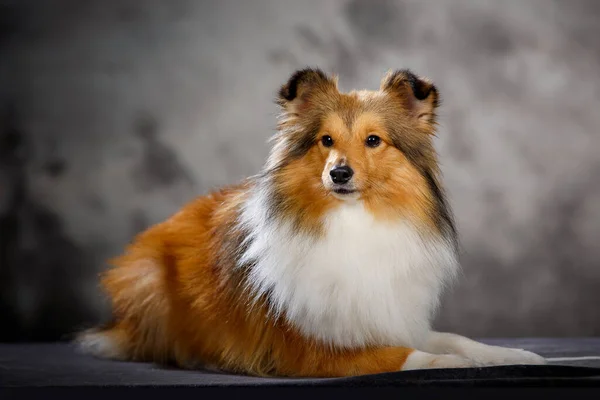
(58,364)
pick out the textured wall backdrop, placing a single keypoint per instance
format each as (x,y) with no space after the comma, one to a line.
(115,113)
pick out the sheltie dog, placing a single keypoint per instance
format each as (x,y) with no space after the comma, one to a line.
(329,262)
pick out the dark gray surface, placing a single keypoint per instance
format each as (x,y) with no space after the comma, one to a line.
(60,365)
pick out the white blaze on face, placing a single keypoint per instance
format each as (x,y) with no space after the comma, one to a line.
(334,158)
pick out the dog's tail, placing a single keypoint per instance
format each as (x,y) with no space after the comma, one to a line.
(140,305)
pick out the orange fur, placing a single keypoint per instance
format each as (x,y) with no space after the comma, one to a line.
(176,294)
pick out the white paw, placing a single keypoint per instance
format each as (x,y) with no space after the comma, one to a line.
(451,361)
(422,360)
(495,355)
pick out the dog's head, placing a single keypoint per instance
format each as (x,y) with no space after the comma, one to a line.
(370,146)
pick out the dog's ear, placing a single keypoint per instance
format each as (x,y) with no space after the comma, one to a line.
(419,95)
(298,92)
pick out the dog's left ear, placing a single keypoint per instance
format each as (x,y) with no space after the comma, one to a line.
(299,93)
(419,95)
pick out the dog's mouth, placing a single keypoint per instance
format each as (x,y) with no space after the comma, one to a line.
(344,191)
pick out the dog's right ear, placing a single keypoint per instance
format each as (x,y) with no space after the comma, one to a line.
(419,95)
(297,94)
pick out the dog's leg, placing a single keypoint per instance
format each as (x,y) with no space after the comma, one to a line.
(322,363)
(482,354)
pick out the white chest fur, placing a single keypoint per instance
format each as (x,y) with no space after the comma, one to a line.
(364,282)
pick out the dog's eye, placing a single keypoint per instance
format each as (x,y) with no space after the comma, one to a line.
(327,141)
(373,141)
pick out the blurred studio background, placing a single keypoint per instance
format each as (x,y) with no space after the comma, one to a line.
(114,113)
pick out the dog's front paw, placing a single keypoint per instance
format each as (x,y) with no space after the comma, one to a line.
(422,360)
(496,355)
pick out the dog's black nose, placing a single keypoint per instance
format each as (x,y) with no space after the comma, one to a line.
(341,174)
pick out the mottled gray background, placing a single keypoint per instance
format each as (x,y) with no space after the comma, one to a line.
(114,113)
